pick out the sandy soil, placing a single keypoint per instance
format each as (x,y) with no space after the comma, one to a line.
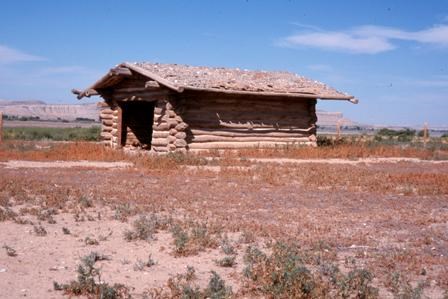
(41,260)
(387,217)
(64,164)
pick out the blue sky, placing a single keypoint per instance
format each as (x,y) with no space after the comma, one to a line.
(392,55)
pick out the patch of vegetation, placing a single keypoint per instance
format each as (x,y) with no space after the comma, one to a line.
(197,238)
(227,261)
(141,265)
(91,241)
(183,286)
(39,230)
(145,227)
(10,251)
(56,134)
(227,247)
(401,287)
(123,211)
(405,135)
(7,214)
(283,274)
(89,281)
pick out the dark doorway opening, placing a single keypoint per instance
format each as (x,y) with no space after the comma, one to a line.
(138,118)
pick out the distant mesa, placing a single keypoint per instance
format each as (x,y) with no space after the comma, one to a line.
(35,109)
(331,119)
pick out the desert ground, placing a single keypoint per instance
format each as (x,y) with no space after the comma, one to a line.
(77,219)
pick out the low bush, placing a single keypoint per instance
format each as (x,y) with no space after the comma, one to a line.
(283,274)
(89,282)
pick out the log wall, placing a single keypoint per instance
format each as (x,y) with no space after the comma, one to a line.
(222,121)
(201,121)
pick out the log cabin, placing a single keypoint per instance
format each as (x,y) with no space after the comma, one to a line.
(176,108)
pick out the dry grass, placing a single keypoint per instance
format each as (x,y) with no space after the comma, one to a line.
(50,151)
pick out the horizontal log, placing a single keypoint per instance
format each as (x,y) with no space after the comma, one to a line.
(152,84)
(160,134)
(180,135)
(256,118)
(161,127)
(106,128)
(180,143)
(106,116)
(102,105)
(106,135)
(161,149)
(253,133)
(211,138)
(107,111)
(107,122)
(171,139)
(201,125)
(130,90)
(236,145)
(159,142)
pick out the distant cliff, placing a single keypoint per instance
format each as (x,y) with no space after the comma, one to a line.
(49,111)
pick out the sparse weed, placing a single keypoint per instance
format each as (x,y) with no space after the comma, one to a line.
(39,230)
(123,211)
(226,246)
(247,237)
(217,288)
(141,265)
(89,281)
(91,241)
(190,242)
(7,214)
(283,274)
(227,261)
(10,251)
(66,231)
(181,286)
(145,227)
(47,215)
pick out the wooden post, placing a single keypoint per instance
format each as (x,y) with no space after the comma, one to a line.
(425,133)
(1,126)
(120,127)
(338,129)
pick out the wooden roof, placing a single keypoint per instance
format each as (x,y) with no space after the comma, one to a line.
(224,80)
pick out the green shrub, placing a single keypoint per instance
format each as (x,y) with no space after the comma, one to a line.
(56,134)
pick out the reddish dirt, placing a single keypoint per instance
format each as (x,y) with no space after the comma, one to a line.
(388,218)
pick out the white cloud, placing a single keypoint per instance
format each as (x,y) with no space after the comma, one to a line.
(10,55)
(367,39)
